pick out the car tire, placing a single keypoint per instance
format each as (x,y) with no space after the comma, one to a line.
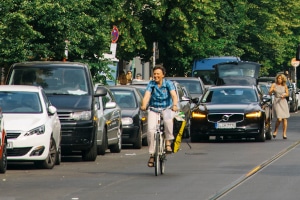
(138,143)
(262,133)
(116,148)
(102,148)
(50,161)
(90,154)
(3,160)
(58,156)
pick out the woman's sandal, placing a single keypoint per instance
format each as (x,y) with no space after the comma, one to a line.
(151,161)
(168,149)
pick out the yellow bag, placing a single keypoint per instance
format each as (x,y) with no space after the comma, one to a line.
(177,141)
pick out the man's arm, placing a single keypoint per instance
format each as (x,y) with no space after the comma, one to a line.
(174,99)
(145,100)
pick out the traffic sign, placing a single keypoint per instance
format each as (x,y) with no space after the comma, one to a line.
(295,63)
(114,34)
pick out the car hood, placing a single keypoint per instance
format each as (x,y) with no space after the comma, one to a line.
(71,102)
(24,122)
(129,113)
(230,108)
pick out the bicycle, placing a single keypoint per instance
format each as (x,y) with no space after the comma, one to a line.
(159,138)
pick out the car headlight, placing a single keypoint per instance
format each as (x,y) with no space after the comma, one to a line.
(127,121)
(36,131)
(254,114)
(198,115)
(83,115)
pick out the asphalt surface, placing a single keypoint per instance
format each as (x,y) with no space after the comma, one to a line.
(230,170)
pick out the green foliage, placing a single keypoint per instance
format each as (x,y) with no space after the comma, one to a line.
(264,31)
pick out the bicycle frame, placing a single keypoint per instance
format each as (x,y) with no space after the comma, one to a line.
(159,144)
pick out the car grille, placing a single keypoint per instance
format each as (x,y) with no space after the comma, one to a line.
(219,117)
(64,115)
(18,151)
(13,135)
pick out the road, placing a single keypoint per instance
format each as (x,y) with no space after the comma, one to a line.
(231,170)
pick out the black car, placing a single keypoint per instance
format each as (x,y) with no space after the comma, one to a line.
(134,120)
(234,108)
(231,111)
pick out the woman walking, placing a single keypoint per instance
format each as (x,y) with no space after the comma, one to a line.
(280,90)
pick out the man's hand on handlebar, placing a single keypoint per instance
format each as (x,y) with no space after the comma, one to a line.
(143,107)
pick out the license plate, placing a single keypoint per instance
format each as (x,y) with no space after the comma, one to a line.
(226,125)
(9,145)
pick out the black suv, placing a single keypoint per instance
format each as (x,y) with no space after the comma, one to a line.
(69,87)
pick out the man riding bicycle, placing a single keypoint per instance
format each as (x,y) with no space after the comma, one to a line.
(160,94)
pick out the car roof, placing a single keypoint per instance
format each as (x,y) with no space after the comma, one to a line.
(139,82)
(230,86)
(121,87)
(183,78)
(23,88)
(48,63)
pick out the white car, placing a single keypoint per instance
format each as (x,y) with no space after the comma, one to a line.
(32,126)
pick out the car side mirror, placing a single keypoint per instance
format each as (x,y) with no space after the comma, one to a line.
(51,110)
(185,98)
(110,105)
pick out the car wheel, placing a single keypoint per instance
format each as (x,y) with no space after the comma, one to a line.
(3,160)
(91,154)
(58,156)
(102,148)
(50,161)
(138,142)
(262,133)
(116,148)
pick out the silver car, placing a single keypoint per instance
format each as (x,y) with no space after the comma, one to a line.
(108,121)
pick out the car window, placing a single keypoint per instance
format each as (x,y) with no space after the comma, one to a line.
(125,99)
(230,96)
(192,86)
(20,102)
(58,80)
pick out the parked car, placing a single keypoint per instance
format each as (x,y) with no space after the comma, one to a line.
(3,145)
(32,125)
(108,121)
(69,87)
(134,120)
(231,111)
(194,85)
(184,105)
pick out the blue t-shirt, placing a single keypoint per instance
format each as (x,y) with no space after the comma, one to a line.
(160,96)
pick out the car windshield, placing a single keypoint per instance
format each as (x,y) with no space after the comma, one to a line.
(20,102)
(54,80)
(229,96)
(234,70)
(192,86)
(125,99)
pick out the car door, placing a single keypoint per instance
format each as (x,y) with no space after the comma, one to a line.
(184,102)
(143,114)
(52,119)
(112,114)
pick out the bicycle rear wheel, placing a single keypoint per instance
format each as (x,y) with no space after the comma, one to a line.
(156,154)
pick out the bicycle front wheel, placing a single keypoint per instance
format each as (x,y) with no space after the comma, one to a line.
(162,157)
(156,154)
